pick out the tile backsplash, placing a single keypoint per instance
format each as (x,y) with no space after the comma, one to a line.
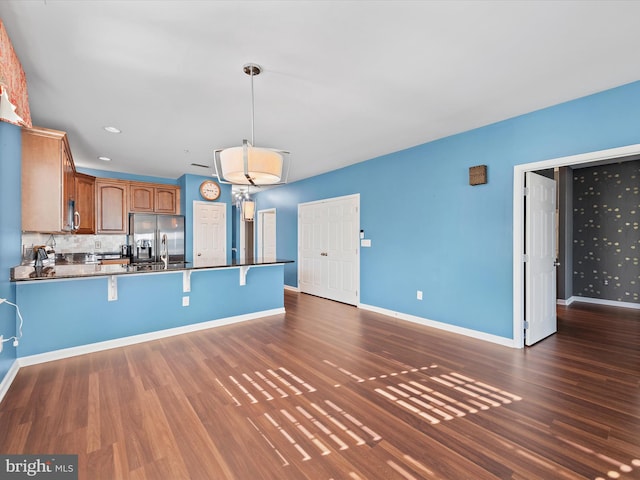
(75,243)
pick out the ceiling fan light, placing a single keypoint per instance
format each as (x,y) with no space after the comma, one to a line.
(264,166)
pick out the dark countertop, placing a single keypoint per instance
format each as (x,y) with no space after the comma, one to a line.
(55,272)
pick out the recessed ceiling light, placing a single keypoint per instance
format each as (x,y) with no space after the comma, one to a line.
(112,129)
(104,159)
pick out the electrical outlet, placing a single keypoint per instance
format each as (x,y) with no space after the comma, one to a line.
(1,342)
(185,301)
(419,295)
(98,244)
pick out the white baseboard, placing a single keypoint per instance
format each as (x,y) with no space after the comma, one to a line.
(610,303)
(8,379)
(507,342)
(567,302)
(144,337)
(293,289)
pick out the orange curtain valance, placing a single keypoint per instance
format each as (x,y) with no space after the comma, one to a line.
(14,101)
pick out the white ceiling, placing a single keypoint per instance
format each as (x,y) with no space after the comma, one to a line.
(343,81)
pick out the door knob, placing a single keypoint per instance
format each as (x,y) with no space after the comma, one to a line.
(556,263)
(199,254)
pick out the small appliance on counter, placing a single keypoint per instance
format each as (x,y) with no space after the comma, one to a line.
(38,255)
(156,238)
(126,251)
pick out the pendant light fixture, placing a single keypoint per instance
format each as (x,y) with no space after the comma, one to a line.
(248,209)
(245,204)
(248,164)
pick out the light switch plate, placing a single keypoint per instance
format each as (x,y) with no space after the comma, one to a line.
(185,301)
(365,242)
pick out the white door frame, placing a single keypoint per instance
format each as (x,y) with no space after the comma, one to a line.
(518,219)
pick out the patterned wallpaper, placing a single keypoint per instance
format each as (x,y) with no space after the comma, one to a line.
(606,235)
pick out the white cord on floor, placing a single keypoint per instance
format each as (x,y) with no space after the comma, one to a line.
(19,336)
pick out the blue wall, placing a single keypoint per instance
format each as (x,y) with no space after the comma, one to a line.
(432,231)
(63,314)
(10,233)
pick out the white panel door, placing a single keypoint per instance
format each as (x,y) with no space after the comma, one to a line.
(328,249)
(312,237)
(540,248)
(342,250)
(209,234)
(267,235)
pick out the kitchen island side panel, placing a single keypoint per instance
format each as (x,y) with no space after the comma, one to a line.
(73,313)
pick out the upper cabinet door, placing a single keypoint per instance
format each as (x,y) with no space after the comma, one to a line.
(112,202)
(85,203)
(141,197)
(167,199)
(48,188)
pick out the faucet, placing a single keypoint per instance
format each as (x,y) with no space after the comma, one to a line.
(164,251)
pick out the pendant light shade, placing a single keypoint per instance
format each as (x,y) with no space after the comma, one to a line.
(247,164)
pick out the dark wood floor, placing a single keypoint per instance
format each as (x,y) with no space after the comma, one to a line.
(329,391)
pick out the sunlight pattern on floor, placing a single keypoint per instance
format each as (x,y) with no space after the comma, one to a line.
(430,403)
(324,427)
(620,468)
(273,384)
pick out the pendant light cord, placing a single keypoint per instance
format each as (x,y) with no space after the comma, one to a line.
(253,142)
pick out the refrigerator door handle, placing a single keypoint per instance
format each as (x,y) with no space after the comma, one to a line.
(164,253)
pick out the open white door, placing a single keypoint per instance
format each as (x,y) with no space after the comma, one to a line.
(209,234)
(267,235)
(540,251)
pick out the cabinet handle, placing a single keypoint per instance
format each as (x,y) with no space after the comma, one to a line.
(76,226)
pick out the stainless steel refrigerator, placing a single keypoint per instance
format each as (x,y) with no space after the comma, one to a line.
(156,238)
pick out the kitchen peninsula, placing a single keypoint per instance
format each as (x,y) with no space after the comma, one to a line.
(104,306)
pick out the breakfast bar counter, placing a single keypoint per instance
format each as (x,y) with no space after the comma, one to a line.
(76,309)
(24,273)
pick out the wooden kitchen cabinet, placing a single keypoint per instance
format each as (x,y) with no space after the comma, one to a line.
(154,198)
(112,205)
(48,186)
(141,197)
(167,199)
(86,203)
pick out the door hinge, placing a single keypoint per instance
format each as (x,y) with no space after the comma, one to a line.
(525,191)
(525,257)
(526,324)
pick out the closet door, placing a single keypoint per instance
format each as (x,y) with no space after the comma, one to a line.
(328,256)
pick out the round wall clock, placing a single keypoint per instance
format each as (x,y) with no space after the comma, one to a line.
(210,190)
